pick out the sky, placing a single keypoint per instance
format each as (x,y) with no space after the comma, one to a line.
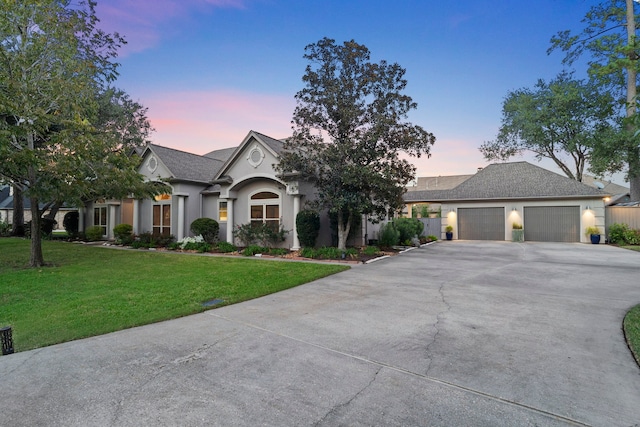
(210,71)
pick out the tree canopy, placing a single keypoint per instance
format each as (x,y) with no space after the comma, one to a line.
(65,134)
(349,132)
(565,120)
(608,42)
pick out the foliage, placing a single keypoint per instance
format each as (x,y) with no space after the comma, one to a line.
(631,326)
(608,43)
(254,250)
(261,233)
(149,240)
(87,296)
(515,226)
(616,233)
(424,210)
(432,238)
(123,233)
(408,228)
(563,120)
(388,235)
(226,247)
(5,229)
(592,230)
(93,233)
(278,251)
(308,252)
(371,250)
(356,223)
(71,222)
(207,228)
(359,107)
(308,227)
(449,228)
(632,237)
(196,243)
(65,134)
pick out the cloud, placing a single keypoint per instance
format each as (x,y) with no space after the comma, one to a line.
(202,121)
(144,23)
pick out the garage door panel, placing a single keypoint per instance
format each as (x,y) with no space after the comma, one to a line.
(552,223)
(481,223)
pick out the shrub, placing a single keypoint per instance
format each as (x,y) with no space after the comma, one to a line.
(123,233)
(371,250)
(408,228)
(329,253)
(5,229)
(71,222)
(616,233)
(93,233)
(388,235)
(226,247)
(278,251)
(592,230)
(632,237)
(254,249)
(262,233)
(516,226)
(148,240)
(207,228)
(432,238)
(308,227)
(308,253)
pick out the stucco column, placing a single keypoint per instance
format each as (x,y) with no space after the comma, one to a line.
(112,221)
(296,210)
(180,230)
(136,216)
(230,220)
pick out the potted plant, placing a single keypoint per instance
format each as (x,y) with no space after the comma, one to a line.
(517,233)
(594,233)
(449,232)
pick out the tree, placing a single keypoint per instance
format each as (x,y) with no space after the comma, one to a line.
(58,139)
(563,120)
(609,42)
(358,107)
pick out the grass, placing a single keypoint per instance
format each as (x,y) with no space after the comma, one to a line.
(631,247)
(92,290)
(631,325)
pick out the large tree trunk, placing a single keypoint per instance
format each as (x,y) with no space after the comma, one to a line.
(37,259)
(343,229)
(17,228)
(633,152)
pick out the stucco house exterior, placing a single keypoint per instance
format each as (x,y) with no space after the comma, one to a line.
(484,206)
(234,186)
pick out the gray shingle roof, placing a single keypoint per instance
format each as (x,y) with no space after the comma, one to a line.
(518,180)
(222,155)
(274,144)
(438,182)
(187,166)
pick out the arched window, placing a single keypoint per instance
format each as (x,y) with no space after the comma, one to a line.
(265,209)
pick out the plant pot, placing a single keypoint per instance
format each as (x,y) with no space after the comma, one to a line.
(595,239)
(517,235)
(449,235)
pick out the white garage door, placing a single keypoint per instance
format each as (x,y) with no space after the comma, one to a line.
(552,223)
(481,223)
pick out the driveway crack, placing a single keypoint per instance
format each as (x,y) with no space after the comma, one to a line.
(436,326)
(338,407)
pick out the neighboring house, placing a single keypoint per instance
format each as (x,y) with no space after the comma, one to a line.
(234,186)
(484,206)
(6,208)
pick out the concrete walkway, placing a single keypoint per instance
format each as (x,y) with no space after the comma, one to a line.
(453,334)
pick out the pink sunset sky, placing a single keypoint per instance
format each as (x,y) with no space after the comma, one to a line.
(212,70)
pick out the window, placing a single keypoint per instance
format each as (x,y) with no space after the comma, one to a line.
(161,220)
(222,211)
(265,209)
(100,218)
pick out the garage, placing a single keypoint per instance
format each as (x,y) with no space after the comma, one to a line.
(481,223)
(552,223)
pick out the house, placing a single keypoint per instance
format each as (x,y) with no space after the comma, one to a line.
(234,186)
(7,203)
(484,206)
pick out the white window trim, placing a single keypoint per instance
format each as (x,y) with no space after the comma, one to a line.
(162,203)
(264,202)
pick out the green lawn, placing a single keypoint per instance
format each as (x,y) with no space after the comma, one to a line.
(92,290)
(631,326)
(631,248)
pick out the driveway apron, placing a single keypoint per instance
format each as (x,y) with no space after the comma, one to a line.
(454,333)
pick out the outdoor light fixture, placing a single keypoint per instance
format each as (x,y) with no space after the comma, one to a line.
(514,209)
(587,208)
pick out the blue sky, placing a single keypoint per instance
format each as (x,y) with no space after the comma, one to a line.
(211,70)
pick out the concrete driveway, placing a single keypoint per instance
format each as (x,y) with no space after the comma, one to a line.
(453,334)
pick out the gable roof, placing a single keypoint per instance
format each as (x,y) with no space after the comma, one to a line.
(187,166)
(222,155)
(271,144)
(518,180)
(607,186)
(438,182)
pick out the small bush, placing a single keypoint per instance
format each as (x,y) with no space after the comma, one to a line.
(329,253)
(632,237)
(148,240)
(5,229)
(71,222)
(308,227)
(226,247)
(371,250)
(432,238)
(93,233)
(207,228)
(617,232)
(308,253)
(449,228)
(254,250)
(592,230)
(261,233)
(123,233)
(408,228)
(388,235)
(278,251)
